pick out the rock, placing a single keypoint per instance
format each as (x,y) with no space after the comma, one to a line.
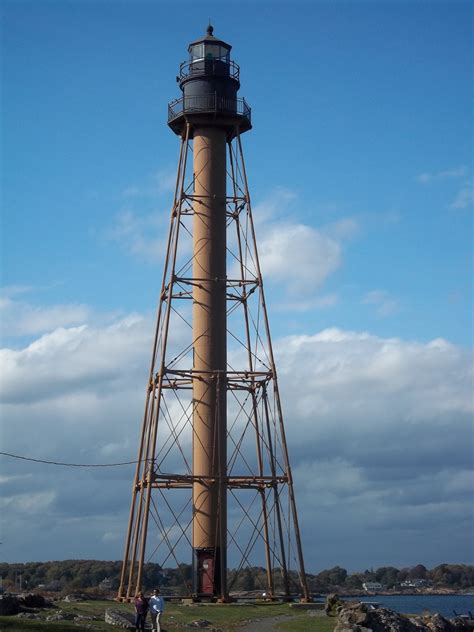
(27,615)
(199,623)
(34,600)
(437,623)
(333,603)
(82,617)
(9,605)
(359,617)
(73,598)
(60,615)
(119,619)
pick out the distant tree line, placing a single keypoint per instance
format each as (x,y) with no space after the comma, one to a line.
(74,575)
(454,576)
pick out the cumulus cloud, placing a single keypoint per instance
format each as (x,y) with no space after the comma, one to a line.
(19,318)
(380,431)
(73,359)
(297,257)
(379,434)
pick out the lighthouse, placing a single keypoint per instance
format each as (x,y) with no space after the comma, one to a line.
(226,432)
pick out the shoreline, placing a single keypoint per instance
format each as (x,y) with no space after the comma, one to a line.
(445,592)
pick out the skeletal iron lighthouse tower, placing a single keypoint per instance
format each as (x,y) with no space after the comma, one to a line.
(213,481)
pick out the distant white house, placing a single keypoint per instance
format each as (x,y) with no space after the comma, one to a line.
(372,586)
(416,583)
(106,584)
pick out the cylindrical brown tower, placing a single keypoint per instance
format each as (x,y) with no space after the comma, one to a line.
(211,114)
(209,336)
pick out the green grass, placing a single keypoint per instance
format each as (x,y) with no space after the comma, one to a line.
(305,623)
(228,618)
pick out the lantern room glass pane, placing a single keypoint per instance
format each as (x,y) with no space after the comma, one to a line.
(212,51)
(197,52)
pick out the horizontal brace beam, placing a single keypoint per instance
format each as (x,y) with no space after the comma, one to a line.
(227,198)
(228,480)
(239,482)
(230,375)
(229,282)
(257,486)
(186,385)
(184,380)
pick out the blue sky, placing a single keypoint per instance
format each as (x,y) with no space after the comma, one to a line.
(362,152)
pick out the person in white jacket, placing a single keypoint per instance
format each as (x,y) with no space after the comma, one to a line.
(157,606)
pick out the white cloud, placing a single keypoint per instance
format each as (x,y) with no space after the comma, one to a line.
(140,235)
(379,430)
(165,180)
(13,290)
(274,206)
(299,256)
(111,536)
(464,198)
(374,386)
(345,228)
(385,304)
(324,301)
(293,255)
(160,182)
(446,174)
(19,318)
(28,503)
(380,433)
(9,479)
(80,358)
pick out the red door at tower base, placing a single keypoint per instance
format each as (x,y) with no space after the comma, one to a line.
(206,573)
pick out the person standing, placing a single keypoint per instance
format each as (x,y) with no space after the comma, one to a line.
(141,608)
(157,606)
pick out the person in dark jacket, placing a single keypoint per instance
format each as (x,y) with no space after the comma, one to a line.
(141,609)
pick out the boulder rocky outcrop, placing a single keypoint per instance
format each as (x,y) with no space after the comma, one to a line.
(14,604)
(9,605)
(60,615)
(34,600)
(119,619)
(360,617)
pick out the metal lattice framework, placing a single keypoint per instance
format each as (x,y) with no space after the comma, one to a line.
(262,524)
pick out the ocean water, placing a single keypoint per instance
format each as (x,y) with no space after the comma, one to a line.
(417,604)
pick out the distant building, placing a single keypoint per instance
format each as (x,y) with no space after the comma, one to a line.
(106,584)
(372,586)
(416,583)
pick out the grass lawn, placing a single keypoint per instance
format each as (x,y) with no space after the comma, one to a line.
(305,623)
(228,618)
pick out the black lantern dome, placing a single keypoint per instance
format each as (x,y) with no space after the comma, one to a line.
(209,81)
(209,47)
